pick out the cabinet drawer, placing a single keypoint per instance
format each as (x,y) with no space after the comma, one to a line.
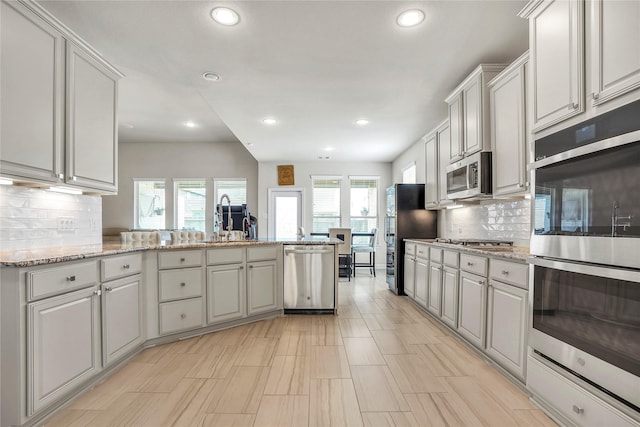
(451,258)
(410,249)
(177,259)
(474,264)
(57,280)
(422,252)
(572,401)
(225,256)
(509,272)
(120,266)
(260,253)
(181,315)
(179,284)
(435,254)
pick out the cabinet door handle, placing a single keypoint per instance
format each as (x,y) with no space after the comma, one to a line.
(97,292)
(595,96)
(578,410)
(469,263)
(241,267)
(505,272)
(126,266)
(573,106)
(74,178)
(183,284)
(183,316)
(60,176)
(520,185)
(182,260)
(251,266)
(71,278)
(481,282)
(108,289)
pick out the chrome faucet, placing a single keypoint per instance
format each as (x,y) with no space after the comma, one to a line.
(615,220)
(229,219)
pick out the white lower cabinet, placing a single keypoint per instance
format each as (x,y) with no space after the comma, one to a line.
(472,308)
(449,313)
(63,345)
(262,293)
(225,292)
(507,326)
(575,405)
(421,281)
(121,317)
(409,275)
(434,301)
(176,316)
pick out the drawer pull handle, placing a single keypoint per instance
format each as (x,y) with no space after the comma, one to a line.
(481,282)
(182,260)
(97,292)
(183,316)
(183,284)
(251,266)
(469,263)
(126,266)
(578,410)
(71,278)
(108,289)
(581,361)
(241,267)
(505,272)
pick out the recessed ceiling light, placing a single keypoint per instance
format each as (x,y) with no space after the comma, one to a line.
(269,121)
(362,122)
(410,18)
(128,125)
(329,148)
(212,77)
(190,124)
(249,144)
(225,16)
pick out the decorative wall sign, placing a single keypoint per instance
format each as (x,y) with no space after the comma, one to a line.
(285,175)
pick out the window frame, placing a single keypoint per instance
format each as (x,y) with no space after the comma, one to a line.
(176,205)
(361,239)
(216,182)
(338,217)
(136,200)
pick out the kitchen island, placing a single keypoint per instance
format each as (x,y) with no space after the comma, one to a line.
(71,316)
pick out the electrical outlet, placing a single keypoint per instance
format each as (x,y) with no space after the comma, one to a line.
(66,223)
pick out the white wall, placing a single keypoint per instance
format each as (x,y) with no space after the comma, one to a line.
(268,178)
(415,153)
(177,160)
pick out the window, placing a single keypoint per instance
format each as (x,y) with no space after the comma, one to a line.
(235,188)
(149,203)
(190,202)
(364,206)
(409,174)
(326,203)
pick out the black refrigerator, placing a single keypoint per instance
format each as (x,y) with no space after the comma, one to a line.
(405,218)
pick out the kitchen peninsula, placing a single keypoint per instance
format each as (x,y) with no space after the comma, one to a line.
(72,315)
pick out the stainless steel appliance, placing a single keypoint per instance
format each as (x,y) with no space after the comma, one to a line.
(586,247)
(309,278)
(405,218)
(470,177)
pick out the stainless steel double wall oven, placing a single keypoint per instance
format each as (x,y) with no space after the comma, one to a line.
(586,252)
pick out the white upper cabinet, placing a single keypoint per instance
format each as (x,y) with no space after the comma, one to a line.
(431,171)
(509,129)
(58,114)
(444,141)
(32,101)
(91,121)
(615,55)
(556,44)
(469,113)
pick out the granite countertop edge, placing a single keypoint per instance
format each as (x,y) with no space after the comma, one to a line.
(516,253)
(35,257)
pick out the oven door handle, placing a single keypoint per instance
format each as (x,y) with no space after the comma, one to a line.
(588,269)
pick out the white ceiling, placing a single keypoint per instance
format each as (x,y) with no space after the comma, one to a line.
(316,66)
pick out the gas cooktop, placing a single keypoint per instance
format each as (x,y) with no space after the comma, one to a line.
(474,242)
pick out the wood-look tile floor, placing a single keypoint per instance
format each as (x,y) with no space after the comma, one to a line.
(380,362)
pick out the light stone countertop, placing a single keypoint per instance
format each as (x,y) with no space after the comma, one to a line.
(515,253)
(33,257)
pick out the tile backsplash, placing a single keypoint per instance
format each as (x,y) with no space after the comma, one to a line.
(32,218)
(498,220)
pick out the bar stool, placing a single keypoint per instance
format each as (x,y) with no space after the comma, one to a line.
(370,249)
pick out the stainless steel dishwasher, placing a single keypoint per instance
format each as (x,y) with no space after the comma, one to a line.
(309,278)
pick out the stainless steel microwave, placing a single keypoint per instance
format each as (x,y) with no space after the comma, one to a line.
(470,177)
